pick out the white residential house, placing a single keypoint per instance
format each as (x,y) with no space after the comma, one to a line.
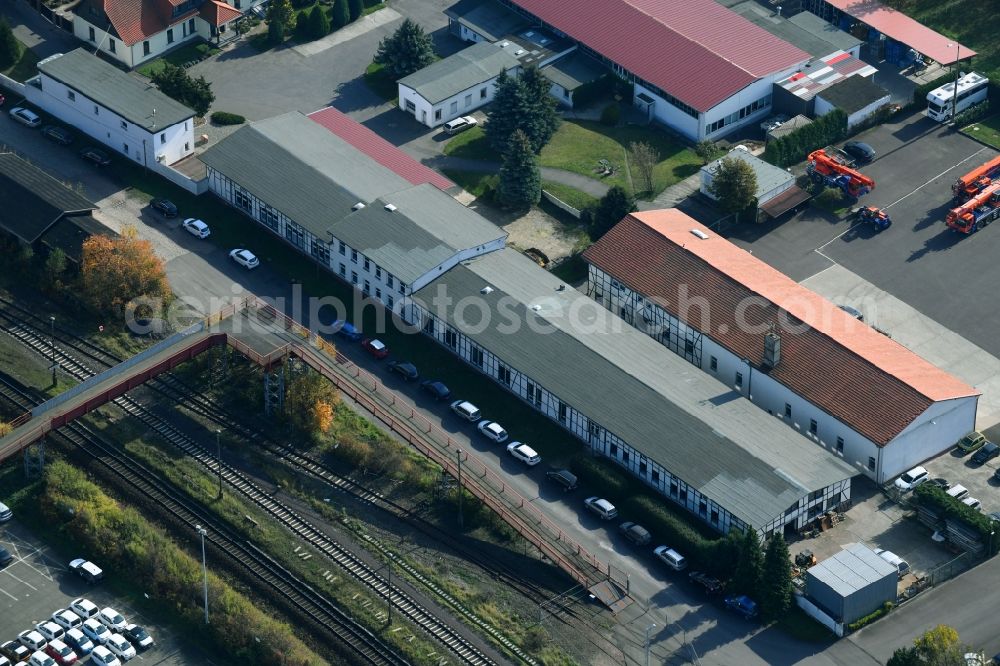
(850,389)
(116,108)
(457,85)
(136,31)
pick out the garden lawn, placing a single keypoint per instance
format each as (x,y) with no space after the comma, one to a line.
(25,67)
(471,144)
(189,53)
(986,130)
(578,146)
(474,182)
(569,195)
(974,23)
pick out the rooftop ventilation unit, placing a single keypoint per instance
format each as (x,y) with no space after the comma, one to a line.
(358,206)
(504,44)
(536,307)
(519,52)
(700,234)
(486,290)
(390,207)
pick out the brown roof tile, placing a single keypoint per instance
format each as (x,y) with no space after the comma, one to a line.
(861,377)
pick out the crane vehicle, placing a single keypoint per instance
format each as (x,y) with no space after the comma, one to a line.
(825,170)
(878,218)
(977,212)
(973,88)
(976,180)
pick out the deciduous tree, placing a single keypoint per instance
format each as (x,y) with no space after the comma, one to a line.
(776,579)
(904,656)
(115,271)
(10,48)
(749,564)
(55,268)
(940,647)
(644,158)
(176,83)
(309,402)
(406,50)
(610,210)
(341,14)
(520,180)
(735,185)
(357,8)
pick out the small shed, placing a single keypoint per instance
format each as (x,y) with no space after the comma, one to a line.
(787,127)
(852,583)
(777,192)
(856,96)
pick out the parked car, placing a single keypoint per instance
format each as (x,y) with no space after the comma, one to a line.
(604,509)
(5,513)
(437,390)
(671,558)
(32,640)
(120,647)
(375,347)
(15,651)
(88,571)
(635,533)
(492,430)
(102,656)
(989,450)
(62,653)
(111,618)
(902,566)
(562,477)
(466,410)
(60,135)
(138,636)
(743,605)
(39,658)
(244,258)
(77,640)
(346,329)
(196,228)
(96,155)
(460,124)
(860,151)
(406,370)
(164,206)
(973,441)
(25,116)
(85,608)
(973,503)
(95,631)
(5,557)
(912,479)
(67,619)
(940,482)
(710,584)
(524,453)
(50,630)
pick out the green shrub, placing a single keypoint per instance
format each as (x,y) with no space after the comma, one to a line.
(704,547)
(223,118)
(871,617)
(949,507)
(973,114)
(796,146)
(829,199)
(611,114)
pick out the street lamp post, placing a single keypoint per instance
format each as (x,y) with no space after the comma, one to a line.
(52,346)
(218,458)
(204,567)
(648,628)
(989,553)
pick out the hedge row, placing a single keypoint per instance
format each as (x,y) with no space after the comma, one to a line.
(122,540)
(225,118)
(704,547)
(796,145)
(871,617)
(949,507)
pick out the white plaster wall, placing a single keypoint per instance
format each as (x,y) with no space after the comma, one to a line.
(423,110)
(933,432)
(670,115)
(102,40)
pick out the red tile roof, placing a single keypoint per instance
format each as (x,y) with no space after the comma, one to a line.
(696,50)
(137,20)
(218,13)
(861,377)
(377,148)
(904,29)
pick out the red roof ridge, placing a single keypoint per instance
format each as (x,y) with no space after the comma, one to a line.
(806,305)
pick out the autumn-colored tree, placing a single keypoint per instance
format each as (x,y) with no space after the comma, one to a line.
(309,403)
(5,428)
(115,271)
(322,415)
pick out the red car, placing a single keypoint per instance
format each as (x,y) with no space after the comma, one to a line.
(376,348)
(60,652)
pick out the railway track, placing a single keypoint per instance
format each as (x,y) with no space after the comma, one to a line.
(321,612)
(37,339)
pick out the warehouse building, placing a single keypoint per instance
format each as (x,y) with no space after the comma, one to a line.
(684,433)
(776,193)
(798,357)
(851,584)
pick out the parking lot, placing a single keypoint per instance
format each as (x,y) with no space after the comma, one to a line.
(36,584)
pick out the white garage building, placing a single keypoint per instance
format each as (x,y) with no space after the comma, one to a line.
(848,388)
(777,192)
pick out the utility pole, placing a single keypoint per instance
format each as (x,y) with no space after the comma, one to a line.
(204,567)
(461,523)
(388,593)
(218,458)
(954,94)
(52,346)
(648,628)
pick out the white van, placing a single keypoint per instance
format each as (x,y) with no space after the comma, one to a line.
(902,566)
(958,491)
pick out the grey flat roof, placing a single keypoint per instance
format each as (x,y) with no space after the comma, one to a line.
(768,175)
(806,34)
(669,410)
(469,67)
(302,169)
(852,569)
(33,200)
(487,17)
(574,70)
(130,97)
(853,94)
(427,228)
